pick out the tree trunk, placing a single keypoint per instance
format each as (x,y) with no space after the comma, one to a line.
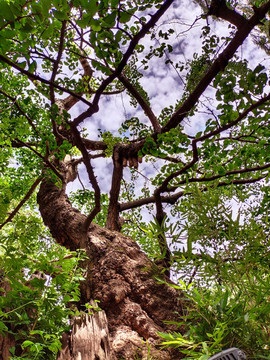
(7,341)
(123,280)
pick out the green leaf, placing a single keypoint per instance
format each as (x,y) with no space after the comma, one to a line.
(221,170)
(15,8)
(22,64)
(5,11)
(124,17)
(90,6)
(109,20)
(114,3)
(27,343)
(95,25)
(61,15)
(85,21)
(32,67)
(8,33)
(3,328)
(28,26)
(47,33)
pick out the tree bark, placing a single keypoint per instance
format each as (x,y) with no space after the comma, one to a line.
(7,341)
(121,277)
(89,338)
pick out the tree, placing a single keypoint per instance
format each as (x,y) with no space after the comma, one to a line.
(61,64)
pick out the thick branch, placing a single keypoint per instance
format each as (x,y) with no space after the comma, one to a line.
(219,9)
(165,252)
(112,221)
(172,199)
(57,62)
(147,109)
(135,40)
(79,143)
(94,145)
(219,64)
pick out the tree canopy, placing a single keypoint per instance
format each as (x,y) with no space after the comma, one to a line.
(152,119)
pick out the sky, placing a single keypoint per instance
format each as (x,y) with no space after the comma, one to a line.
(164,85)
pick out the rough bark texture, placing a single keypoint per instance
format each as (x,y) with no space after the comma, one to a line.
(121,277)
(7,341)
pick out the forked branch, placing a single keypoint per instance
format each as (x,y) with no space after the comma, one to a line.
(133,43)
(218,65)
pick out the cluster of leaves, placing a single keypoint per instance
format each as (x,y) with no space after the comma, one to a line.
(225,316)
(134,128)
(39,281)
(224,267)
(110,140)
(84,200)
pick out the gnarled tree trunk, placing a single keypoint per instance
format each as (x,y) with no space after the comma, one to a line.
(121,277)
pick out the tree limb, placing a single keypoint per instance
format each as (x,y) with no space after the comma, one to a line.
(20,110)
(163,186)
(219,9)
(57,61)
(42,80)
(112,221)
(215,177)
(22,202)
(218,65)
(79,143)
(46,161)
(133,43)
(147,109)
(172,199)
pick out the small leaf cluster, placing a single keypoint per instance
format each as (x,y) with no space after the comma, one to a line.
(134,128)
(110,140)
(84,200)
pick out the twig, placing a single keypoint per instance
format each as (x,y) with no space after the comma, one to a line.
(147,109)
(22,202)
(48,82)
(46,161)
(20,109)
(133,43)
(218,65)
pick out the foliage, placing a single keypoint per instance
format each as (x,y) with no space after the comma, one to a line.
(84,200)
(228,281)
(190,105)
(226,316)
(39,280)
